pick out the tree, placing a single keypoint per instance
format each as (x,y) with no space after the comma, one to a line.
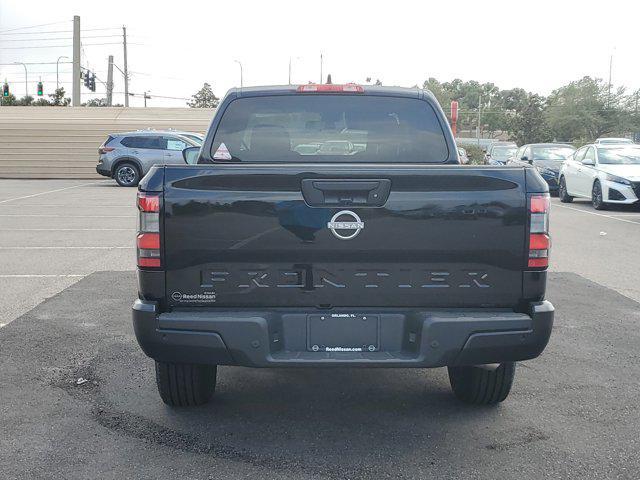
(585,110)
(58,98)
(25,101)
(528,125)
(96,102)
(204,98)
(9,101)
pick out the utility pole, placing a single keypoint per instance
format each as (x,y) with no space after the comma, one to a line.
(75,95)
(320,68)
(240,63)
(609,88)
(110,81)
(126,69)
(146,95)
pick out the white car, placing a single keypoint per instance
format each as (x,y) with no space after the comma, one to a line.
(607,174)
(613,140)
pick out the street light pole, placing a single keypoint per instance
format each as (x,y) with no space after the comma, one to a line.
(291,59)
(240,63)
(126,67)
(26,83)
(57,75)
(479,118)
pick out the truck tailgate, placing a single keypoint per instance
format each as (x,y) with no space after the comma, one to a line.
(409,235)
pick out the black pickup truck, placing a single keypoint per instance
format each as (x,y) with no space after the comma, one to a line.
(332,226)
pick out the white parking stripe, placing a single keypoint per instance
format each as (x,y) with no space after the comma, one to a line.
(66,248)
(132,229)
(43,276)
(48,191)
(596,213)
(65,216)
(58,205)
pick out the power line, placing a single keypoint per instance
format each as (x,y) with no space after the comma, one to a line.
(37,63)
(34,26)
(38,32)
(97,29)
(57,38)
(67,46)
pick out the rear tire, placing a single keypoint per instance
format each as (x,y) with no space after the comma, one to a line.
(185,384)
(562,192)
(127,174)
(481,385)
(597,199)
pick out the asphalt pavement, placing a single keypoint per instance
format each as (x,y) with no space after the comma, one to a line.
(66,274)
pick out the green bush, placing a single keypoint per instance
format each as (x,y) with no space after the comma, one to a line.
(475,154)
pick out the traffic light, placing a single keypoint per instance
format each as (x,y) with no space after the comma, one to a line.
(5,89)
(92,82)
(87,79)
(40,88)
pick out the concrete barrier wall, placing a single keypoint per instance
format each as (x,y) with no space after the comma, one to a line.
(62,142)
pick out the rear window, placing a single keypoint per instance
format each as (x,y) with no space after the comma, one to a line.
(329,128)
(552,153)
(142,142)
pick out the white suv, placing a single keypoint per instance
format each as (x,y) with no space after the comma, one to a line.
(607,174)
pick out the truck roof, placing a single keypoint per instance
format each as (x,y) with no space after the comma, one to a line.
(292,89)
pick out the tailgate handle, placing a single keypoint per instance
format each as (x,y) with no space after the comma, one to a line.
(343,193)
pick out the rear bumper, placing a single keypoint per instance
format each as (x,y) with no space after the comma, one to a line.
(102,171)
(278,338)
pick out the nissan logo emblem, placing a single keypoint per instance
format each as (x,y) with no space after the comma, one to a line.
(345,220)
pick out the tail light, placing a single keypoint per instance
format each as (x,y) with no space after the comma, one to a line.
(103,150)
(539,241)
(319,88)
(148,240)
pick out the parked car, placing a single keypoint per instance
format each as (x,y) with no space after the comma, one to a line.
(547,158)
(499,153)
(462,155)
(612,141)
(605,173)
(127,157)
(196,137)
(393,255)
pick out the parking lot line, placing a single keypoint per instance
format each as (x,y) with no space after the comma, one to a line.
(67,248)
(58,205)
(64,216)
(596,213)
(67,229)
(48,191)
(44,276)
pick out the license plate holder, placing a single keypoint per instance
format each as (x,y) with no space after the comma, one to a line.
(343,333)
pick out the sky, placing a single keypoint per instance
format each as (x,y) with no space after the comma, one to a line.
(174,47)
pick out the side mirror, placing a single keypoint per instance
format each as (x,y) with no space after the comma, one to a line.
(488,155)
(190,155)
(526,159)
(588,161)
